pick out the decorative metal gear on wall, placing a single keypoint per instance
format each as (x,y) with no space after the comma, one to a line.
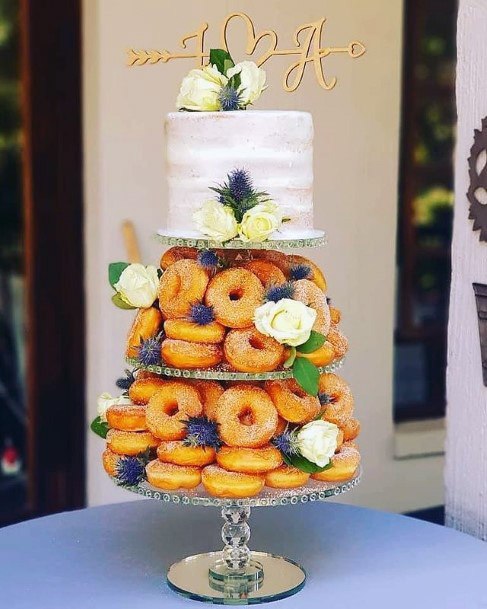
(477,191)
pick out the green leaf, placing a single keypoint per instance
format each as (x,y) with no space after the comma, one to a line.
(305,465)
(115,269)
(218,57)
(227,65)
(306,375)
(235,81)
(99,427)
(290,360)
(314,342)
(121,304)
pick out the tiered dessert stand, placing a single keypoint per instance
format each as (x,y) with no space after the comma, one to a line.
(236,575)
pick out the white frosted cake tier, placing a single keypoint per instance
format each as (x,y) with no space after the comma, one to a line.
(276,148)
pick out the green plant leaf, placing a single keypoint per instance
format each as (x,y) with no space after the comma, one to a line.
(99,427)
(314,342)
(290,360)
(306,375)
(121,304)
(218,57)
(305,465)
(115,269)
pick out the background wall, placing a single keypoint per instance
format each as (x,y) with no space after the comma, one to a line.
(356,157)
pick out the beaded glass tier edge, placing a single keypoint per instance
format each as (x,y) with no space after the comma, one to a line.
(317,240)
(269,497)
(226,375)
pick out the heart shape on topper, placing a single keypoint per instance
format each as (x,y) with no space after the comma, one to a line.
(252,39)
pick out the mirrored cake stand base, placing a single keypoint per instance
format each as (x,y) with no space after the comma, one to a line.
(235,575)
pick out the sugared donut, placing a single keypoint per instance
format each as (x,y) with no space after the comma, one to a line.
(170,477)
(286,477)
(249,460)
(221,483)
(338,341)
(344,465)
(315,274)
(281,425)
(323,356)
(210,392)
(176,452)
(336,315)
(181,285)
(144,387)
(184,329)
(130,443)
(247,416)
(234,295)
(110,461)
(310,294)
(127,417)
(279,259)
(292,402)
(147,323)
(173,254)
(336,398)
(248,350)
(170,407)
(351,429)
(268,273)
(183,354)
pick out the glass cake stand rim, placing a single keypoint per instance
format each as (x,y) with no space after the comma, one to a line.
(319,240)
(312,491)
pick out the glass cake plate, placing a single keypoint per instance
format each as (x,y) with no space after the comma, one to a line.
(235,575)
(316,238)
(227,375)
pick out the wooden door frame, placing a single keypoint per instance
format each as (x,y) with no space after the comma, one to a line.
(51,76)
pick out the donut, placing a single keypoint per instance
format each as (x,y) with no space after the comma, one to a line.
(170,477)
(344,465)
(336,398)
(248,350)
(183,354)
(278,259)
(147,323)
(335,315)
(184,329)
(234,295)
(315,273)
(292,402)
(268,273)
(174,254)
(281,425)
(130,443)
(249,460)
(233,410)
(176,452)
(286,477)
(170,407)
(351,429)
(110,461)
(210,392)
(323,356)
(144,387)
(310,294)
(221,483)
(181,285)
(127,417)
(338,341)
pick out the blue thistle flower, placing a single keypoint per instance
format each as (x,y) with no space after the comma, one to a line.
(129,471)
(325,399)
(286,442)
(201,314)
(300,271)
(240,185)
(229,99)
(125,383)
(149,350)
(208,259)
(278,292)
(202,432)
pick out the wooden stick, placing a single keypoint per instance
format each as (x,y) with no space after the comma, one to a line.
(130,240)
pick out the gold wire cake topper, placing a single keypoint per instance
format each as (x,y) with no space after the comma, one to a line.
(307,40)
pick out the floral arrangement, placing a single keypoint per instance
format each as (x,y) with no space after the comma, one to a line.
(222,85)
(239,211)
(135,285)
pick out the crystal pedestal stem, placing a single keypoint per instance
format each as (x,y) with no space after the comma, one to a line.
(235,535)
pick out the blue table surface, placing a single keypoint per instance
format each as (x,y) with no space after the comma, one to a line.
(116,556)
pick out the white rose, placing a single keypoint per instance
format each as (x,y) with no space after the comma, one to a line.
(138,285)
(260,222)
(217,221)
(318,441)
(105,400)
(252,81)
(288,321)
(200,90)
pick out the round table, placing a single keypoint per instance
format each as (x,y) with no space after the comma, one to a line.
(116,557)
